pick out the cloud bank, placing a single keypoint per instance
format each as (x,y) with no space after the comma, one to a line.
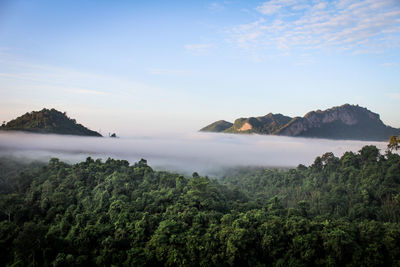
(361,26)
(205,153)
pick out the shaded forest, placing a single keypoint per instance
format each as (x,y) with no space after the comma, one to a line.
(336,212)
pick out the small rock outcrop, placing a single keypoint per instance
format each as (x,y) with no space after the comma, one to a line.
(267,124)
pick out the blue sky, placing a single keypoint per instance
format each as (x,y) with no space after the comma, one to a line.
(165,66)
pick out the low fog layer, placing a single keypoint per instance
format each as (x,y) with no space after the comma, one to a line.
(201,152)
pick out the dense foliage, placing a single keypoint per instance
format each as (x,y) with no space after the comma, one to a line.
(47,121)
(336,212)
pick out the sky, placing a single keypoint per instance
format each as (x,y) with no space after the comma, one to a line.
(176,66)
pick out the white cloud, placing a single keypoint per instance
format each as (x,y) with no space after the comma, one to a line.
(198,48)
(269,9)
(321,5)
(216,6)
(274,6)
(366,25)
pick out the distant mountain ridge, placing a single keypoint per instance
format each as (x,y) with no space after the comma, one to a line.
(342,122)
(48,121)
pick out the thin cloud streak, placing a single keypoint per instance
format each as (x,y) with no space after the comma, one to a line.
(55,80)
(198,48)
(172,72)
(203,152)
(90,92)
(395,96)
(389,64)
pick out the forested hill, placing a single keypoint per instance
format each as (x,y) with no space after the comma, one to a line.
(342,122)
(337,212)
(47,121)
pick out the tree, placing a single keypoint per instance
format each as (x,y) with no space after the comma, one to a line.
(394,143)
(30,244)
(336,212)
(10,204)
(369,154)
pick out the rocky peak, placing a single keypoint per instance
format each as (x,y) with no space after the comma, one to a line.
(341,122)
(347,114)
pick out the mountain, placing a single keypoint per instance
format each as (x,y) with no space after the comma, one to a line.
(343,122)
(47,121)
(218,126)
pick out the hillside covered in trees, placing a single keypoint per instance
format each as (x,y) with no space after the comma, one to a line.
(47,121)
(336,212)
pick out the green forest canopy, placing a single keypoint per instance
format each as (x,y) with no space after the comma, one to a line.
(336,212)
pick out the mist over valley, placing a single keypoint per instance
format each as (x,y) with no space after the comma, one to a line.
(205,153)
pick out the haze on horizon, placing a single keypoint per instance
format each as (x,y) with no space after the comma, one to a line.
(206,153)
(135,67)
